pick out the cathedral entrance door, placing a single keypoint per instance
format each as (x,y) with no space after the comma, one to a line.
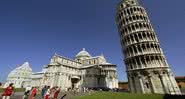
(74,81)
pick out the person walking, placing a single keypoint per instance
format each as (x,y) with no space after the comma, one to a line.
(8,92)
(57,91)
(52,90)
(44,89)
(27,92)
(48,92)
(33,93)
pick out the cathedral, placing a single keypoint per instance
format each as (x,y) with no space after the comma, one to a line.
(83,71)
(147,67)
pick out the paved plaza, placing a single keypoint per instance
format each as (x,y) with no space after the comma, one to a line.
(18,95)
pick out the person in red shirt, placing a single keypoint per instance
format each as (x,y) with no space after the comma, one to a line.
(57,90)
(8,92)
(33,93)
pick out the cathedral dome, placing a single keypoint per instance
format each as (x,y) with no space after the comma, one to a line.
(83,53)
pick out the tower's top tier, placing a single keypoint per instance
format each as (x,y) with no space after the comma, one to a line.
(126,3)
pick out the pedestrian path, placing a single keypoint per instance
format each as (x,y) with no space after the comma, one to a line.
(70,94)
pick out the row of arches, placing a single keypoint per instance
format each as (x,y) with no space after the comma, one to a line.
(123,4)
(144,48)
(129,11)
(138,37)
(146,61)
(143,26)
(133,18)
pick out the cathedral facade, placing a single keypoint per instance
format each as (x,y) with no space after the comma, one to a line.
(147,67)
(83,71)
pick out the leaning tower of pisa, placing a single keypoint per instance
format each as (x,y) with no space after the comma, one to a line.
(146,65)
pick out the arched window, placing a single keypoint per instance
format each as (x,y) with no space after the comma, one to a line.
(131,10)
(152,46)
(127,20)
(140,37)
(132,38)
(131,51)
(134,9)
(141,17)
(137,16)
(128,12)
(148,35)
(126,30)
(144,25)
(129,28)
(134,18)
(147,59)
(144,35)
(147,46)
(131,67)
(138,62)
(125,12)
(136,38)
(135,50)
(130,18)
(133,27)
(140,25)
(137,26)
(139,48)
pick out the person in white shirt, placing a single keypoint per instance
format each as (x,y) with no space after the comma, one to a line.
(27,92)
(48,92)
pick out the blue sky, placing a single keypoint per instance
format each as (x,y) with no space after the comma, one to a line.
(33,30)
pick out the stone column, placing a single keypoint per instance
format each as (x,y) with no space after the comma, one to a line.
(170,84)
(141,83)
(152,84)
(163,83)
(174,84)
(136,64)
(130,83)
(142,65)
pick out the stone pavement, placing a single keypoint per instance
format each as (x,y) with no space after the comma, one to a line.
(18,95)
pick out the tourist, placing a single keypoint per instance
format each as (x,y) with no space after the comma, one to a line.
(8,92)
(48,92)
(27,92)
(57,90)
(52,92)
(44,89)
(33,93)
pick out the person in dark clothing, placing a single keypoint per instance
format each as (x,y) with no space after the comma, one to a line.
(44,89)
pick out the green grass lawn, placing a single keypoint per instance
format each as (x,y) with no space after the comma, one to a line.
(112,95)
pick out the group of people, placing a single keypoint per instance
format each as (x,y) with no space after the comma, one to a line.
(47,92)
